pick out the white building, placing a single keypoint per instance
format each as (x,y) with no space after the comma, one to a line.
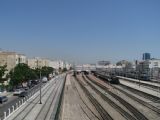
(147,65)
(67,65)
(154,63)
(56,64)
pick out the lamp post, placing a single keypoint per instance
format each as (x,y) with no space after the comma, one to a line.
(39,70)
(40,88)
(139,77)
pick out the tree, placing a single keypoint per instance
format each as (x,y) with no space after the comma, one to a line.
(64,70)
(21,73)
(45,71)
(37,72)
(3,69)
(60,70)
(33,74)
(71,68)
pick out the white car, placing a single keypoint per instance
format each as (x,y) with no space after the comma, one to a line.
(44,79)
(18,91)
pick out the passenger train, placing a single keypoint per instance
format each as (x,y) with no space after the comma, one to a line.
(109,77)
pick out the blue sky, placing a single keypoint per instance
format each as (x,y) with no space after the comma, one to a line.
(83,31)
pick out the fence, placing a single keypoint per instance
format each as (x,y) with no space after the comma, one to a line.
(19,103)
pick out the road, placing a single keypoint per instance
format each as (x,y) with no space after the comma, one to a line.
(12,100)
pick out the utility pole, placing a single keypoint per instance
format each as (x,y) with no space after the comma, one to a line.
(38,66)
(40,88)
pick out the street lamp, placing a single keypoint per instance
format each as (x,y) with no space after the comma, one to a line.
(139,74)
(40,88)
(39,67)
(40,101)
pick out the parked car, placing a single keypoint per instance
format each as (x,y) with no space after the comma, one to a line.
(44,79)
(31,86)
(3,99)
(35,82)
(23,94)
(18,91)
(26,88)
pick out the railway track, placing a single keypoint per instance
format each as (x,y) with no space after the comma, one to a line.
(140,101)
(22,115)
(142,94)
(100,109)
(74,87)
(31,92)
(114,105)
(57,114)
(43,114)
(132,109)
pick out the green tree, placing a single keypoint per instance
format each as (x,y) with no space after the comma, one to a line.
(33,74)
(37,72)
(3,69)
(64,70)
(21,73)
(60,69)
(71,68)
(45,71)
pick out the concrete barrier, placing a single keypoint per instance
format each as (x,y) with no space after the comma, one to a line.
(5,115)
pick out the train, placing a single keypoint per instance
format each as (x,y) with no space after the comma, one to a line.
(111,78)
(134,75)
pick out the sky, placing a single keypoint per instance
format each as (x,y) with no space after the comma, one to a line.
(81,31)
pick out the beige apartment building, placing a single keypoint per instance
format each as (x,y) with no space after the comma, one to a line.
(37,62)
(11,59)
(56,64)
(41,62)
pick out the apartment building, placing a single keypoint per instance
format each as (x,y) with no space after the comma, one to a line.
(41,62)
(56,64)
(37,62)
(11,59)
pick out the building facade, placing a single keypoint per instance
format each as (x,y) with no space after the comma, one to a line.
(104,63)
(146,56)
(38,62)
(11,59)
(41,62)
(150,67)
(57,64)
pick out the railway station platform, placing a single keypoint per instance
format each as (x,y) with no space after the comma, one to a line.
(141,88)
(142,81)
